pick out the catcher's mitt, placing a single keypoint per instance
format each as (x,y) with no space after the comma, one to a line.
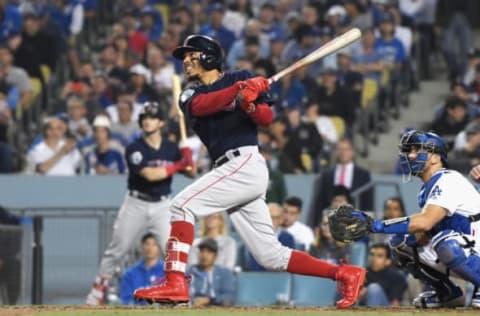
(348,224)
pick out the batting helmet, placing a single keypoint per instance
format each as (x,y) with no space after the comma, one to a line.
(426,143)
(211,53)
(150,109)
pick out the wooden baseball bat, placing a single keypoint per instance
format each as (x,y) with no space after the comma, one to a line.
(334,45)
(176,90)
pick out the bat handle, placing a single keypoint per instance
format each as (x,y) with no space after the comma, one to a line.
(272,79)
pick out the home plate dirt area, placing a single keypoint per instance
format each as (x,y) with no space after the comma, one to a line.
(46,310)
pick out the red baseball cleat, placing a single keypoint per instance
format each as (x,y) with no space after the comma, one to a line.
(349,282)
(173,290)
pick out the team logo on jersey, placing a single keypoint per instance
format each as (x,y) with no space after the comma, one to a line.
(136,157)
(436,192)
(186,94)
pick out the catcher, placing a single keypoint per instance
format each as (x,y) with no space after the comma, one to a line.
(442,239)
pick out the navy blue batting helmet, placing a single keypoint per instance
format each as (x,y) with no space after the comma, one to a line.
(211,52)
(426,142)
(150,109)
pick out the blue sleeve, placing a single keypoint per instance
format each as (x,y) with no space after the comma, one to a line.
(225,293)
(400,56)
(126,289)
(135,159)
(87,163)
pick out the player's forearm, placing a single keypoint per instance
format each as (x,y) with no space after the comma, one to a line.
(417,223)
(209,103)
(47,165)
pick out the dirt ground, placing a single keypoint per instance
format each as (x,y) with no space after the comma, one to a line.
(277,311)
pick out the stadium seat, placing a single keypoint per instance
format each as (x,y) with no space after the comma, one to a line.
(359,253)
(339,125)
(262,288)
(46,72)
(313,291)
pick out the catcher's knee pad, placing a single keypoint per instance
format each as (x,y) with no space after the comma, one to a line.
(453,250)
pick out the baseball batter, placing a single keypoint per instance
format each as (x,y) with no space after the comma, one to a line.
(225,109)
(151,160)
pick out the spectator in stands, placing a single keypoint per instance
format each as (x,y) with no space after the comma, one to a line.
(160,71)
(390,47)
(334,99)
(78,124)
(82,86)
(215,29)
(475,85)
(16,77)
(214,226)
(126,57)
(381,275)
(452,121)
(335,14)
(458,37)
(54,155)
(266,16)
(290,151)
(252,28)
(169,40)
(288,93)
(304,42)
(368,60)
(150,24)
(36,47)
(463,160)
(101,158)
(358,14)
(326,247)
(347,76)
(137,41)
(460,90)
(393,208)
(324,124)
(125,128)
(143,91)
(125,95)
(277,190)
(211,283)
(108,61)
(145,272)
(102,92)
(237,15)
(302,233)
(252,48)
(340,196)
(346,173)
(473,62)
(285,238)
(6,148)
(308,139)
(9,94)
(10,21)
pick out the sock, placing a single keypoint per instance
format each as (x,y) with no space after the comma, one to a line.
(303,263)
(178,246)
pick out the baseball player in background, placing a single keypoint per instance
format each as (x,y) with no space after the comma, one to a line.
(151,161)
(444,238)
(225,110)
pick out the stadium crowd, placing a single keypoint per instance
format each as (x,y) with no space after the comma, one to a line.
(74,75)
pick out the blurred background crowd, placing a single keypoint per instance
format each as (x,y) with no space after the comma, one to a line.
(75,73)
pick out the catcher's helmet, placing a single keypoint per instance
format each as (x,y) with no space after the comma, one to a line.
(427,143)
(211,53)
(150,109)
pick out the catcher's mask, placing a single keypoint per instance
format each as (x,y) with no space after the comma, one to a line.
(424,143)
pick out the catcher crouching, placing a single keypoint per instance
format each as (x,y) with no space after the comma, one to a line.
(442,239)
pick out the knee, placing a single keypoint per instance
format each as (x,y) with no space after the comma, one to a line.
(180,213)
(450,253)
(375,289)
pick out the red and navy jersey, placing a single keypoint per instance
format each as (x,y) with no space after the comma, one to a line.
(140,155)
(227,129)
